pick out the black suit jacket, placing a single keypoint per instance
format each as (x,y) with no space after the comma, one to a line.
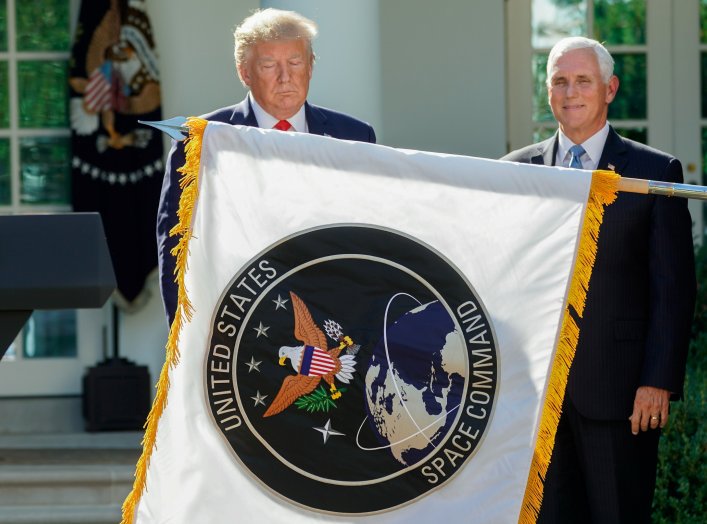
(636,325)
(320,121)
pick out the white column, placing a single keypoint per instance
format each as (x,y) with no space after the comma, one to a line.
(347,73)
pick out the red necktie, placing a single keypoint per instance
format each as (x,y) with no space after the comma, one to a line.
(283,125)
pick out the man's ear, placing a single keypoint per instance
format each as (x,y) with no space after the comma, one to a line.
(243,74)
(612,88)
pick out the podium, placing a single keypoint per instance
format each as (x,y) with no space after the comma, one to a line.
(61,261)
(51,261)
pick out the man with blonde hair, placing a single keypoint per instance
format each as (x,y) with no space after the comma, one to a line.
(630,358)
(274,60)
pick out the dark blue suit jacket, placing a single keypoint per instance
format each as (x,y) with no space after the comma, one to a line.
(639,308)
(320,121)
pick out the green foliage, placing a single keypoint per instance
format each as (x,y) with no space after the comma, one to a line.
(42,25)
(703,73)
(620,22)
(699,324)
(5,192)
(320,400)
(631,102)
(43,91)
(3,25)
(616,22)
(4,95)
(681,491)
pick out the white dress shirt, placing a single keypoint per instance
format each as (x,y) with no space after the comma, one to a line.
(593,148)
(298,121)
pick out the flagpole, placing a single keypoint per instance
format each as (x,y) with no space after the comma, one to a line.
(670,189)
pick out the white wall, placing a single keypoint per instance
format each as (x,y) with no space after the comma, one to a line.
(195,45)
(443,75)
(143,334)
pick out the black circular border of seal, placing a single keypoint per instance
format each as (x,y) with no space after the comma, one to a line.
(462,440)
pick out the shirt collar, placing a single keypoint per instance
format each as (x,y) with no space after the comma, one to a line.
(298,121)
(593,148)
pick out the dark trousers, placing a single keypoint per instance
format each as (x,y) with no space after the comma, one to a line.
(599,472)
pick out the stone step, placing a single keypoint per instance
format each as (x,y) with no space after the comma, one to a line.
(107,514)
(66,441)
(55,478)
(65,484)
(29,457)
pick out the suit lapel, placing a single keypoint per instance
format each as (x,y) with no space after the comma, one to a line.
(243,114)
(546,152)
(316,120)
(614,157)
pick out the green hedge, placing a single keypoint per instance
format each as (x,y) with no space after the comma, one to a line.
(681,486)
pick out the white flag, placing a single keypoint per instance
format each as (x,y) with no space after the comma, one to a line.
(372,333)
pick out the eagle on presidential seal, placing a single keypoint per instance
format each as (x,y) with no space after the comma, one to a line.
(312,361)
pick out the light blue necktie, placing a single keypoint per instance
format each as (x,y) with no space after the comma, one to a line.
(576,151)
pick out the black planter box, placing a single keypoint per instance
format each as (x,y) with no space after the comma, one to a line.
(116,396)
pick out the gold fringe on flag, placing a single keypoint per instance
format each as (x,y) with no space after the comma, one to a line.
(602,193)
(190,187)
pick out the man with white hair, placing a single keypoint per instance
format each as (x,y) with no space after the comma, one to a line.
(630,359)
(274,59)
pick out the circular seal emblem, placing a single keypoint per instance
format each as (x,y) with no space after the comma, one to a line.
(352,369)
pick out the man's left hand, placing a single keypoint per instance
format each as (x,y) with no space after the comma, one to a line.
(650,409)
